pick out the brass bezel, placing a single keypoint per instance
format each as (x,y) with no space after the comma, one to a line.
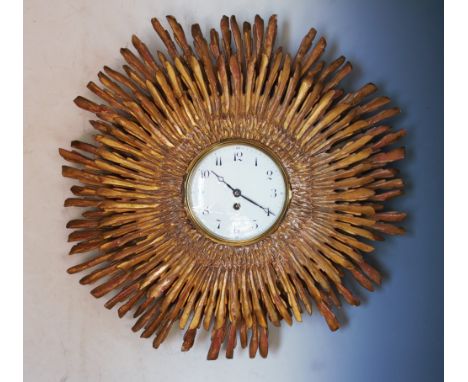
(205,152)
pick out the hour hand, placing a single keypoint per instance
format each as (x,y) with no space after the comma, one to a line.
(221,179)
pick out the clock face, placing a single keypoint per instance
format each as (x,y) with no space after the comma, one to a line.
(237,192)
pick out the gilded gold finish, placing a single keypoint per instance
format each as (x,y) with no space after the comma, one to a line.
(160,114)
(207,151)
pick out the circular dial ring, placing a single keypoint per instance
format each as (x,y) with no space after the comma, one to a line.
(236,192)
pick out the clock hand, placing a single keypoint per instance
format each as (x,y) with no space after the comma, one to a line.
(238,193)
(221,179)
(267,210)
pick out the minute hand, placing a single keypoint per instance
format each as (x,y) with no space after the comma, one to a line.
(267,210)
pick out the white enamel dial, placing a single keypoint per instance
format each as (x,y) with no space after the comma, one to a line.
(236,192)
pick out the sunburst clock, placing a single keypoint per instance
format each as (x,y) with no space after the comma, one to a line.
(230,185)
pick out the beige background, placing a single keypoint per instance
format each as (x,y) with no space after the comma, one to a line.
(70,336)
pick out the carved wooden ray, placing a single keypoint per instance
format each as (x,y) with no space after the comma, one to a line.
(166,107)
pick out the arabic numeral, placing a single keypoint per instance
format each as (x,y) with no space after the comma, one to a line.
(219,162)
(238,156)
(274,192)
(206,211)
(218,222)
(269,174)
(255,224)
(205,174)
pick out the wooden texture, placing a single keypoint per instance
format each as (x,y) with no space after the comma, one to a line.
(159,113)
